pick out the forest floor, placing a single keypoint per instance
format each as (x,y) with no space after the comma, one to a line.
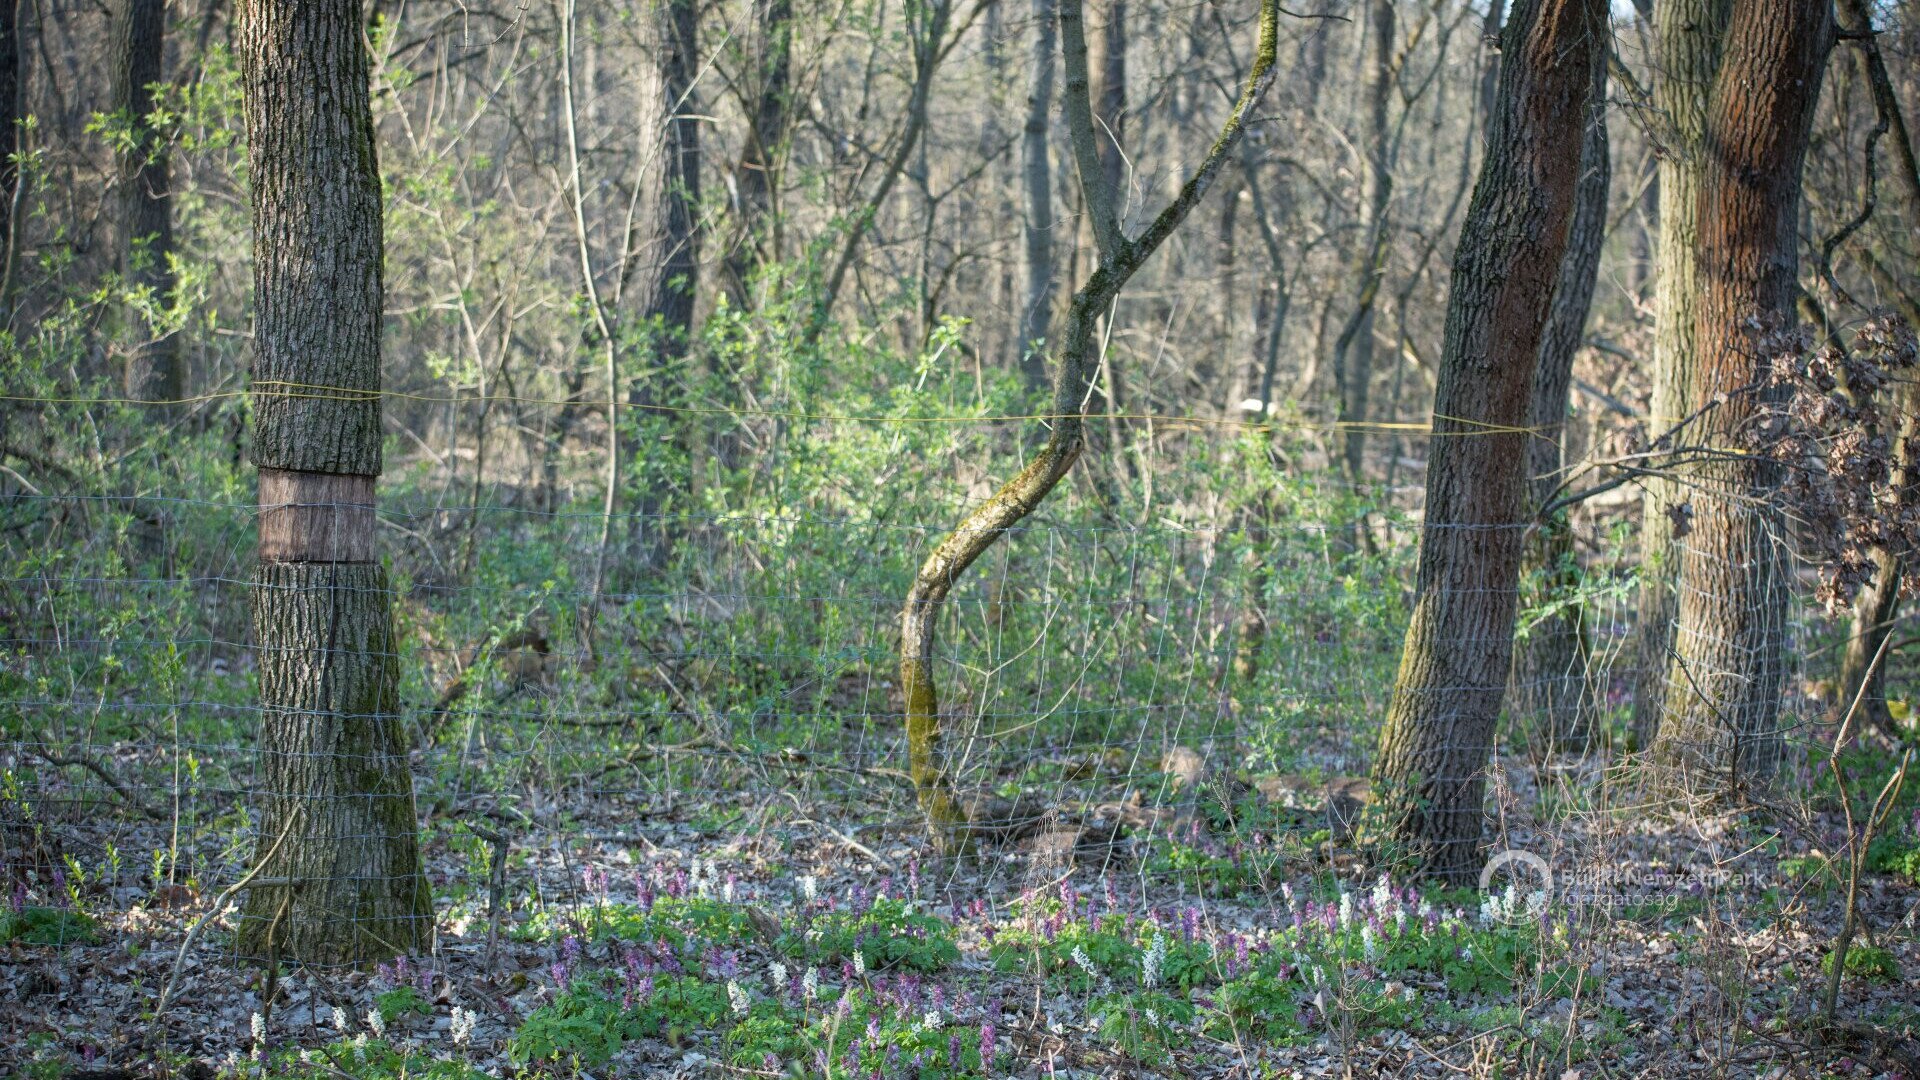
(699,936)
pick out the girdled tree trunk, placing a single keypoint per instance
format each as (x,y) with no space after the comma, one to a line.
(1723,685)
(1037,176)
(1429,778)
(339,877)
(146,221)
(1688,35)
(1550,690)
(1119,258)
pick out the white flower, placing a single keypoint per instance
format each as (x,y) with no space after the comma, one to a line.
(726,891)
(859,962)
(1150,963)
(810,984)
(738,998)
(810,887)
(931,1021)
(1399,920)
(377,1023)
(1346,909)
(340,1021)
(1153,1018)
(1286,890)
(462,1028)
(259,1030)
(777,975)
(1382,893)
(1368,943)
(1082,961)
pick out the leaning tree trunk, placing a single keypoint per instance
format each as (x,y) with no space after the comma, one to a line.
(1722,699)
(1550,665)
(1119,258)
(146,222)
(1688,37)
(338,877)
(1429,778)
(1037,169)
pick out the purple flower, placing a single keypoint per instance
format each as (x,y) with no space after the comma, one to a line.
(986,1044)
(953,1051)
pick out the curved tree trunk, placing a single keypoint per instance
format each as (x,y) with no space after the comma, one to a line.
(146,222)
(1119,258)
(341,880)
(1718,728)
(1550,665)
(1688,36)
(1429,777)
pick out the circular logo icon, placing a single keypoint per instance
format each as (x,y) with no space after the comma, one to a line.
(1528,886)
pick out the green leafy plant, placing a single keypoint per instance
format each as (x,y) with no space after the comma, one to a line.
(48,926)
(888,934)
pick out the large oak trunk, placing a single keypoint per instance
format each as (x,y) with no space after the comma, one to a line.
(1551,658)
(338,878)
(1723,686)
(1689,37)
(1429,777)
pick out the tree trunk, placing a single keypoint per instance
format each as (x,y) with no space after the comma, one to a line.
(146,221)
(1119,258)
(667,257)
(1550,690)
(1688,38)
(1353,350)
(1878,604)
(1037,315)
(1723,686)
(339,877)
(755,240)
(1111,108)
(11,99)
(1429,778)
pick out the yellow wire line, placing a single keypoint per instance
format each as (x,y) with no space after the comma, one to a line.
(310,391)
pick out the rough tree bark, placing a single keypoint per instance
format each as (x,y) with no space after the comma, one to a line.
(344,884)
(146,221)
(1688,36)
(1119,257)
(1718,728)
(1550,661)
(1429,777)
(1037,177)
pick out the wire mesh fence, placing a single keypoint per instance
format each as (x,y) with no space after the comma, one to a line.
(1089,673)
